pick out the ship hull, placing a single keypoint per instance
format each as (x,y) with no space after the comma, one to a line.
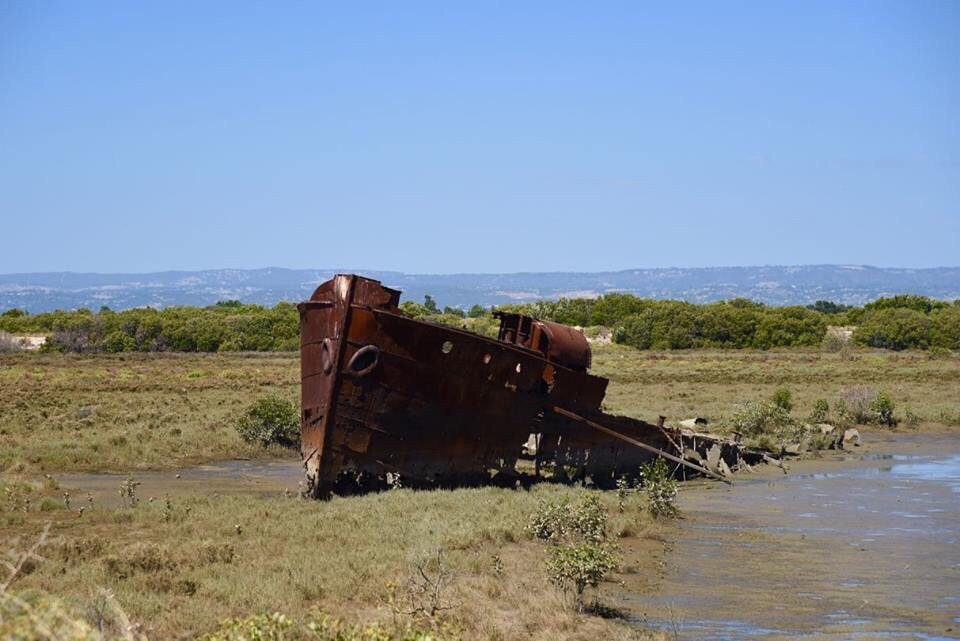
(386,396)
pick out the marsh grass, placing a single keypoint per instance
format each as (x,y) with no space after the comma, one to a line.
(67,412)
(181,565)
(180,571)
(713,383)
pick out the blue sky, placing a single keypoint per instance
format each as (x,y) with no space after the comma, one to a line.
(478,137)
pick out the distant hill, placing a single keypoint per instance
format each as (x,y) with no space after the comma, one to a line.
(850,284)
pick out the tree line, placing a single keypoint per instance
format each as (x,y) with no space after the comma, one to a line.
(225,326)
(897,322)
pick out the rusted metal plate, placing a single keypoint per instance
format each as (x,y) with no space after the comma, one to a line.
(384,394)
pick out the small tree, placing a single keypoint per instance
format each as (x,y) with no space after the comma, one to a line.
(821,409)
(477,311)
(881,409)
(579,555)
(579,566)
(783,399)
(895,328)
(270,419)
(660,487)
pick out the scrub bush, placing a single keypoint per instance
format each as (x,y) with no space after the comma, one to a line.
(821,409)
(660,487)
(270,419)
(579,566)
(783,399)
(881,410)
(759,418)
(579,555)
(557,521)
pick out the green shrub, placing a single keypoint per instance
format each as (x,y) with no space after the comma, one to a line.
(270,419)
(49,504)
(260,627)
(557,521)
(881,410)
(783,399)
(660,487)
(579,555)
(792,326)
(922,304)
(821,410)
(117,341)
(946,328)
(579,566)
(895,328)
(760,418)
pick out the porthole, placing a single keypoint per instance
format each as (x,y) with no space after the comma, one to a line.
(486,359)
(364,361)
(326,355)
(447,347)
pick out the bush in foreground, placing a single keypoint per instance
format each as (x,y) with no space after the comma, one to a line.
(579,555)
(660,487)
(270,420)
(580,565)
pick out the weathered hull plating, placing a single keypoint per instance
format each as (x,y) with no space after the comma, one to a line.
(384,394)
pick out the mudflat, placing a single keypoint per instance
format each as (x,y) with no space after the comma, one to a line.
(865,545)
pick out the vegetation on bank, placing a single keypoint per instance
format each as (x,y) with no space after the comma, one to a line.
(897,323)
(179,566)
(409,565)
(74,412)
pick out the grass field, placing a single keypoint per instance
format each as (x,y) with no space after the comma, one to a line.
(179,568)
(126,412)
(63,412)
(710,383)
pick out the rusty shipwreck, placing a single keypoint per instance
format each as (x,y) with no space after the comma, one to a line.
(386,398)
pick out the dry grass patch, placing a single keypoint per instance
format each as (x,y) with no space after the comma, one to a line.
(712,383)
(67,412)
(180,569)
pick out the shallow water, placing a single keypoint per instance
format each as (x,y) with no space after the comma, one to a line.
(868,549)
(222,477)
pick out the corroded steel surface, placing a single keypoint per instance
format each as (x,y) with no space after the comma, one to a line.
(384,395)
